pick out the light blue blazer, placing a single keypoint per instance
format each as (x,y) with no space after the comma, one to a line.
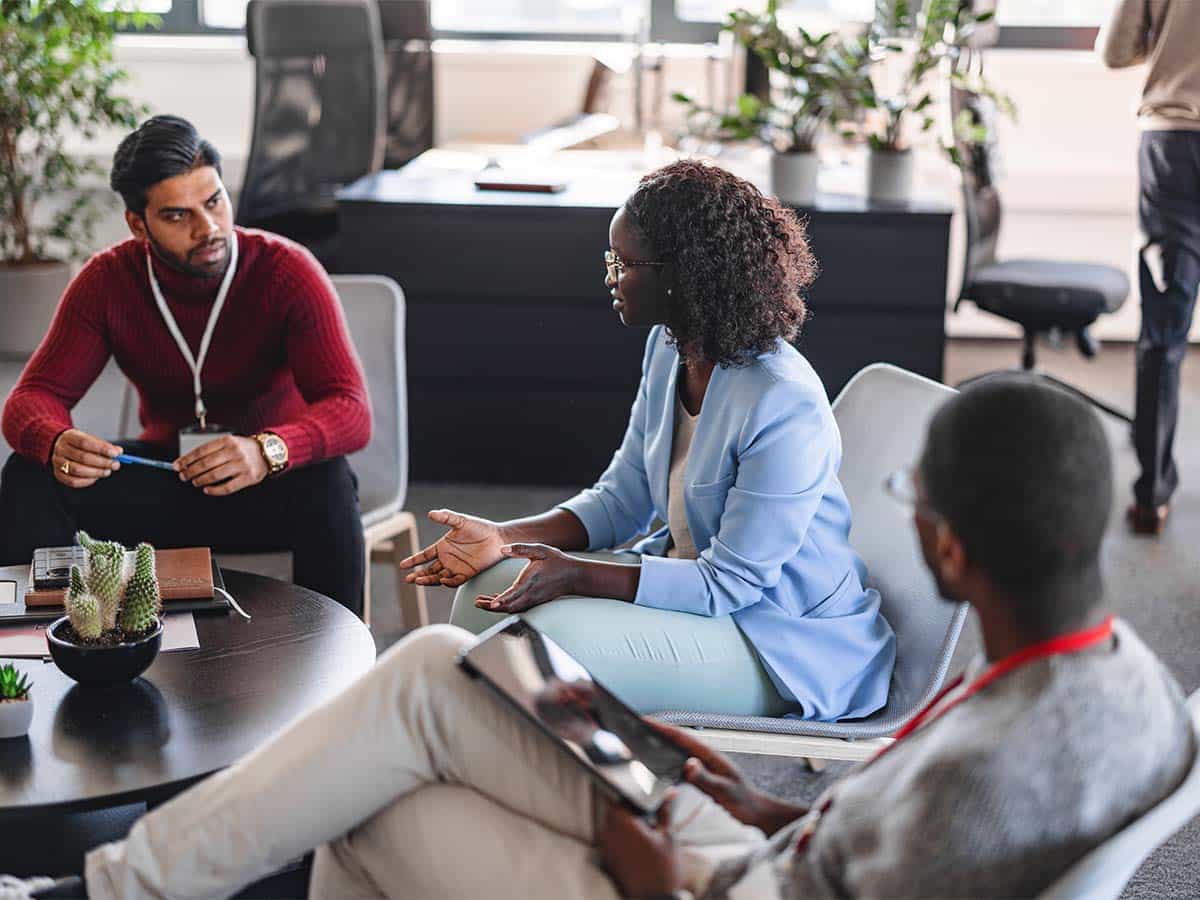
(769,517)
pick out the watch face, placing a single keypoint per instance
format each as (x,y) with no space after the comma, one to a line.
(275,450)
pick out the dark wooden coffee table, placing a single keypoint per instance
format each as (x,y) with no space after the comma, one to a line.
(192,713)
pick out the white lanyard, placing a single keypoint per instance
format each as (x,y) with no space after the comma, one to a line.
(196,363)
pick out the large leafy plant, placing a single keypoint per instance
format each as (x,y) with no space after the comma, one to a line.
(812,74)
(57,75)
(919,36)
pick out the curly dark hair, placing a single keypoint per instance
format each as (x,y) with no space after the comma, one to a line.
(741,259)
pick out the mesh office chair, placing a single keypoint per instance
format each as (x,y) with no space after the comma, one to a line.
(1045,297)
(318,114)
(408,95)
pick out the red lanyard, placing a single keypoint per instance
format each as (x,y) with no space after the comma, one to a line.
(1058,646)
(1061,645)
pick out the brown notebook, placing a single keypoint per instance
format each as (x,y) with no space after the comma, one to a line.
(184,574)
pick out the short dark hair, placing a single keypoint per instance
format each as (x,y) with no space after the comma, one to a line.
(1023,474)
(160,148)
(742,259)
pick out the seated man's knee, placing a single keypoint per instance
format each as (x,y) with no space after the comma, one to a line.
(324,486)
(337,871)
(26,471)
(431,650)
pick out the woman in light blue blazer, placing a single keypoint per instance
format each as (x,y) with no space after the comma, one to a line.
(748,598)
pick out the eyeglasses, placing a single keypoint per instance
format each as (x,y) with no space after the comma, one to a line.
(901,485)
(615,267)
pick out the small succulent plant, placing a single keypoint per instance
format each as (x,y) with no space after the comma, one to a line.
(105,576)
(14,685)
(83,609)
(105,597)
(143,602)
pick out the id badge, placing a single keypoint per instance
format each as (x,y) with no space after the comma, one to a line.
(195,436)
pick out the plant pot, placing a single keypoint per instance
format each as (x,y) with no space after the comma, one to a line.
(117,664)
(889,176)
(15,716)
(794,177)
(29,294)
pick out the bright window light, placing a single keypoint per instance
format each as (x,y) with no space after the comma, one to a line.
(532,16)
(1062,13)
(223,13)
(796,10)
(147,6)
(1010,12)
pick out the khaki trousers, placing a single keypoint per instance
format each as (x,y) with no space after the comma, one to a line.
(417,782)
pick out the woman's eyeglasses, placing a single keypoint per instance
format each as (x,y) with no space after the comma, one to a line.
(615,267)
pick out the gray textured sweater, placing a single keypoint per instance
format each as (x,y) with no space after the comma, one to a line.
(999,796)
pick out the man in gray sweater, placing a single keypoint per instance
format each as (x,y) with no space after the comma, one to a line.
(418,781)
(1064,732)
(1164,34)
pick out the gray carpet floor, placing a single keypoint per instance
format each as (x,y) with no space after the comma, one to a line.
(1153,583)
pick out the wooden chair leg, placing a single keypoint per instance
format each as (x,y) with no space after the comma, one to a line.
(414,612)
(366,609)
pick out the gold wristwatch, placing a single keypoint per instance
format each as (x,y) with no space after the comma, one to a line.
(274,451)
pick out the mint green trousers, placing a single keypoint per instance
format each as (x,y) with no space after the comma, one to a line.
(655,660)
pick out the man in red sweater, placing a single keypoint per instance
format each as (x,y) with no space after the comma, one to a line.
(236,330)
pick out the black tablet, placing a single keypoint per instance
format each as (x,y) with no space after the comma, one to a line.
(630,759)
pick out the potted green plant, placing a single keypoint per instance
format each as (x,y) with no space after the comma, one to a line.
(915,39)
(16,703)
(113,628)
(805,87)
(57,76)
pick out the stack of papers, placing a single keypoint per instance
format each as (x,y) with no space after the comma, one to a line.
(29,641)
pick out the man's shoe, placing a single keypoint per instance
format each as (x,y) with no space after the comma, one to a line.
(1147,519)
(12,888)
(70,887)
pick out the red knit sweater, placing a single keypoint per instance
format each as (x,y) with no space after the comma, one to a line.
(281,359)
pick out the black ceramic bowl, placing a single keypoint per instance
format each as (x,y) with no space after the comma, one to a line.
(118,664)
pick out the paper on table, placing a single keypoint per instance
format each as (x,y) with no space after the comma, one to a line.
(179,632)
(29,641)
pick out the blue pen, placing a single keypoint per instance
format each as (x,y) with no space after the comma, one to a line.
(142,461)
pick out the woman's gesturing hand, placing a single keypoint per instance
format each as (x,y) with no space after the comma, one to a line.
(471,545)
(548,575)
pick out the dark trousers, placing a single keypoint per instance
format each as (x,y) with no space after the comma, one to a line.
(312,511)
(1169,277)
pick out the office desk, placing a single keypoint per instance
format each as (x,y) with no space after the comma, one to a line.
(519,371)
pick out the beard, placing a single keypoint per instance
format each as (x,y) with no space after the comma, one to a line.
(185,264)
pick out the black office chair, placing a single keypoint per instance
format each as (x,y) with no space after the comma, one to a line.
(408,97)
(318,114)
(1045,297)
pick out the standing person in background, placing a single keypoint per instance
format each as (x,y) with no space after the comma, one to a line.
(1166,35)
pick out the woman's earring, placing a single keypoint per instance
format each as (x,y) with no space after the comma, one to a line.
(670,291)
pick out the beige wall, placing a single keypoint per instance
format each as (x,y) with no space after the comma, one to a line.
(1068,176)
